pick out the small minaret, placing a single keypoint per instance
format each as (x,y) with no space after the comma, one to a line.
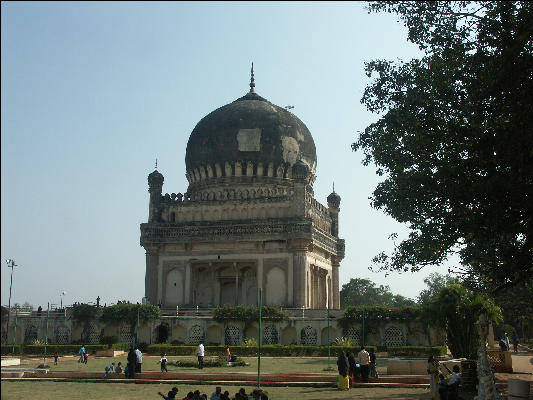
(334,201)
(155,187)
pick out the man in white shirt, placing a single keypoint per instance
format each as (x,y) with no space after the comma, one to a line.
(364,361)
(139,360)
(453,384)
(200,356)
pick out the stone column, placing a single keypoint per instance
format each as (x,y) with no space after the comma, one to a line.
(335,283)
(151,276)
(290,286)
(212,277)
(160,283)
(299,269)
(260,273)
(187,283)
(236,283)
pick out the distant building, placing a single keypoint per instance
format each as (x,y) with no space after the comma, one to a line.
(248,219)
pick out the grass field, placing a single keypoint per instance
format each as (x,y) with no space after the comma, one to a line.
(150,363)
(132,391)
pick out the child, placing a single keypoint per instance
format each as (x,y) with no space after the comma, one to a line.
(56,357)
(109,369)
(443,387)
(163,362)
(118,369)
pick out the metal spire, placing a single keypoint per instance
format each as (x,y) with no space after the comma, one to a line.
(252,83)
(333,187)
(156,163)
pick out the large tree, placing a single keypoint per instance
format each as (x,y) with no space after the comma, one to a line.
(364,292)
(454,140)
(435,282)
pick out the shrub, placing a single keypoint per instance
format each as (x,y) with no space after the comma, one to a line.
(343,341)
(416,351)
(250,342)
(7,348)
(109,340)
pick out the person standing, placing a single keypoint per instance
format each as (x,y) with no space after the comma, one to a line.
(132,362)
(163,362)
(201,354)
(139,356)
(364,361)
(56,357)
(515,342)
(228,354)
(373,364)
(433,371)
(343,367)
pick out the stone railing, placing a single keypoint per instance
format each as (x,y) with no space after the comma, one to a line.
(501,360)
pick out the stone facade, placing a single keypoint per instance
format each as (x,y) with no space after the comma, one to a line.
(306,327)
(248,220)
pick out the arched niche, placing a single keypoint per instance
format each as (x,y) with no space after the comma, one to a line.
(174,288)
(276,287)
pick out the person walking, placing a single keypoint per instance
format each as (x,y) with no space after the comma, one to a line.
(433,370)
(81,353)
(364,361)
(201,353)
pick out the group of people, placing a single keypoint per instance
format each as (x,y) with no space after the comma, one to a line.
(135,359)
(351,367)
(440,387)
(256,394)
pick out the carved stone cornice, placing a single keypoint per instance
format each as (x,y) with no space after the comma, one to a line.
(159,233)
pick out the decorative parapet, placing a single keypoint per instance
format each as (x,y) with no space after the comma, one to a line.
(170,233)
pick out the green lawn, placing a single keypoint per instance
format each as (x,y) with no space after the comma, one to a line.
(150,363)
(131,391)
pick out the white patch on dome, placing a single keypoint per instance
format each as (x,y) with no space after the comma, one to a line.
(249,139)
(299,136)
(291,148)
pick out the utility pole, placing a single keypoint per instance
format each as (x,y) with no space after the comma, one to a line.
(10,264)
(46,333)
(260,306)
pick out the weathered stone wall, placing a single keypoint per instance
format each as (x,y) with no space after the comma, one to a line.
(307,327)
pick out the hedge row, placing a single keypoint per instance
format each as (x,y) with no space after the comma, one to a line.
(62,349)
(242,351)
(277,350)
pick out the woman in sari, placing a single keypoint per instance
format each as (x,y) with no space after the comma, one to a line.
(342,365)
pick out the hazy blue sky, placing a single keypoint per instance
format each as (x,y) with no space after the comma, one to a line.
(92,93)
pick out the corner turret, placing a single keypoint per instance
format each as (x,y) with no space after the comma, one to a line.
(155,187)
(334,201)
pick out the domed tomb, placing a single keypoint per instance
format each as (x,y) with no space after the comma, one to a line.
(248,137)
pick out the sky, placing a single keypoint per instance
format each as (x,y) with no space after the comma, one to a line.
(93,93)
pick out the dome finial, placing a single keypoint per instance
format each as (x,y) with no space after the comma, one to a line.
(252,83)
(156,163)
(333,187)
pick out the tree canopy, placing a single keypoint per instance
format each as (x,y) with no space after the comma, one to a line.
(456,310)
(435,282)
(364,292)
(454,139)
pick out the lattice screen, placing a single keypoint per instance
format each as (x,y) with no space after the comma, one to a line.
(354,334)
(232,335)
(394,336)
(62,335)
(270,335)
(308,336)
(93,334)
(125,335)
(196,335)
(30,334)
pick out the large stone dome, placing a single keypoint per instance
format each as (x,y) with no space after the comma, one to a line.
(252,133)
